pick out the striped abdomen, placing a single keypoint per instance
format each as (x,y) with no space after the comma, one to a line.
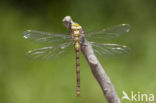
(77,74)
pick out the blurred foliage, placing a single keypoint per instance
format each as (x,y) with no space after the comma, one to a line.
(24,81)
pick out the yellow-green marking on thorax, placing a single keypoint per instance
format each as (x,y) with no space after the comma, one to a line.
(76,33)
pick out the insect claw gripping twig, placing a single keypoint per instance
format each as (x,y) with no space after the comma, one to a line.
(96,68)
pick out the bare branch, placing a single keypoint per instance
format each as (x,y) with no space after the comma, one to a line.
(96,68)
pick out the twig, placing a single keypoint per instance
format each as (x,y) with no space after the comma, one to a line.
(96,68)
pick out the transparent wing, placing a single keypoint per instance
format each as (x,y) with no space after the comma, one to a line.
(49,53)
(45,37)
(109,49)
(109,33)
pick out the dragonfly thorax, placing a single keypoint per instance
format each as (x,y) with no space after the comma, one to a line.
(76,39)
(77,46)
(76,35)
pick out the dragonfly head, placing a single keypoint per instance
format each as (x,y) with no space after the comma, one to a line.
(76,27)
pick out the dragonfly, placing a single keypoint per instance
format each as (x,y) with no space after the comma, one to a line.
(62,43)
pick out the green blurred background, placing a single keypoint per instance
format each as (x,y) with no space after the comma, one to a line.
(24,81)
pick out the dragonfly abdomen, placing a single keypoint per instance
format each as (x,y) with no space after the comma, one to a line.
(77,73)
(77,48)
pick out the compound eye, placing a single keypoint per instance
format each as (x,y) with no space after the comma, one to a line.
(74,27)
(79,27)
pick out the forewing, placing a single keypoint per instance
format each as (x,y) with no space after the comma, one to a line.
(45,37)
(109,49)
(109,33)
(49,53)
